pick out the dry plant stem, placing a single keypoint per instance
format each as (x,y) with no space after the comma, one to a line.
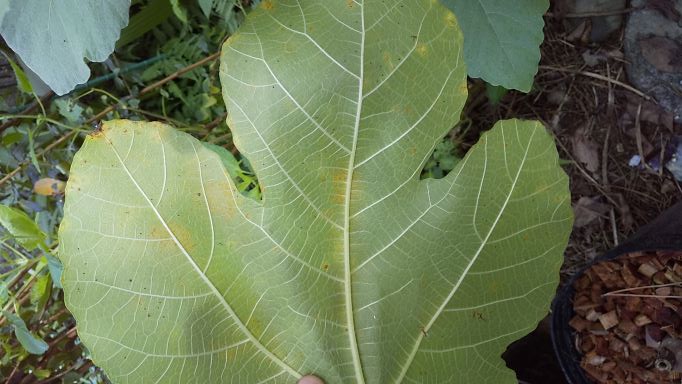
(614,226)
(158,117)
(14,372)
(585,174)
(598,77)
(54,378)
(638,139)
(179,73)
(643,295)
(605,156)
(55,316)
(612,293)
(23,272)
(22,296)
(110,108)
(209,127)
(60,374)
(70,333)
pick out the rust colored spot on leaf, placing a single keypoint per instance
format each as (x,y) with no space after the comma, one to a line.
(422,50)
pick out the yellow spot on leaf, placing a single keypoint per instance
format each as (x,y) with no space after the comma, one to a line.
(463,88)
(388,60)
(450,20)
(268,5)
(338,198)
(184,236)
(292,47)
(422,50)
(339,176)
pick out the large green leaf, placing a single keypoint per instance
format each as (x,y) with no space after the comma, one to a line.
(350,267)
(502,39)
(53,36)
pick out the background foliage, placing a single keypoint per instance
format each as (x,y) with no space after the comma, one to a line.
(502,39)
(152,75)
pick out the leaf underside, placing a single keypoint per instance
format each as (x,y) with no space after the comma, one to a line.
(349,267)
(502,39)
(52,37)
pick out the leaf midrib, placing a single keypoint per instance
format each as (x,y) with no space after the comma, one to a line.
(242,327)
(350,317)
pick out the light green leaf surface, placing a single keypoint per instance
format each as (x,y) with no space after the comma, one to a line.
(53,36)
(24,230)
(350,267)
(502,39)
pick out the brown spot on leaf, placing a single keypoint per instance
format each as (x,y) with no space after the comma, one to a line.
(268,5)
(388,60)
(339,176)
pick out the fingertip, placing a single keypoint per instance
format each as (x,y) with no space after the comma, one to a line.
(310,379)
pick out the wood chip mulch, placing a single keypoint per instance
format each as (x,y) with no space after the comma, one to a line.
(628,319)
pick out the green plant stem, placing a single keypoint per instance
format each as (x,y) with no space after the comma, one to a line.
(13,249)
(26,110)
(37,117)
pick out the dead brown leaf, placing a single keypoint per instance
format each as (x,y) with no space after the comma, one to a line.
(585,150)
(49,187)
(587,210)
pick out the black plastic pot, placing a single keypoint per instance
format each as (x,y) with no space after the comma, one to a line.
(664,233)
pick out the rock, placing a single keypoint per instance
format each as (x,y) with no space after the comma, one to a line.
(653,49)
